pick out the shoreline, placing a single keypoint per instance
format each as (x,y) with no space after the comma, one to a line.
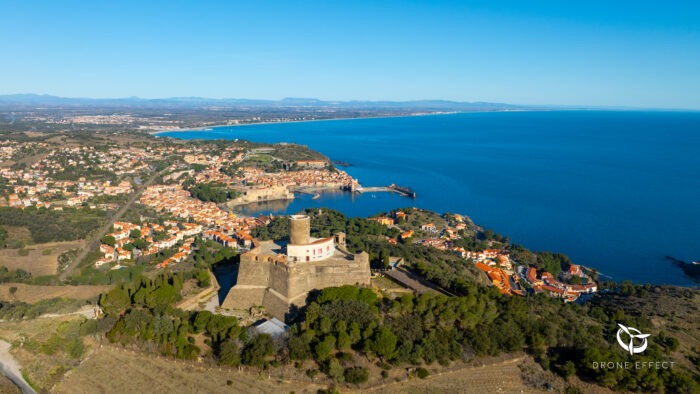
(204,128)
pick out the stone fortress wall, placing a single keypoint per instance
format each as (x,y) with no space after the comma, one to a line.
(267,276)
(258,194)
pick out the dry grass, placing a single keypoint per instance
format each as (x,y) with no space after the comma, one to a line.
(502,377)
(18,233)
(7,387)
(26,336)
(36,262)
(33,293)
(114,370)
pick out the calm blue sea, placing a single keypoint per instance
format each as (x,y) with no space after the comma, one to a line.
(617,191)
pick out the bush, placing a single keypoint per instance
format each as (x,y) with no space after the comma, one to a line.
(356,375)
(422,373)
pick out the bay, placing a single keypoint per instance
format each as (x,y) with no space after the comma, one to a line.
(614,190)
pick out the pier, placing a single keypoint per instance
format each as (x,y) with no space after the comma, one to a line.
(404,191)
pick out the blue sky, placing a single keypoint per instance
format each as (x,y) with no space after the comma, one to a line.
(641,54)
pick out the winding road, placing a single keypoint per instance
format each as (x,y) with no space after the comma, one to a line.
(10,368)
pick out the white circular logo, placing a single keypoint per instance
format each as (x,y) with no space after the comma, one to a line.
(632,333)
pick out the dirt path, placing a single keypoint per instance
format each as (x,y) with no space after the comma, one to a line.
(10,368)
(88,311)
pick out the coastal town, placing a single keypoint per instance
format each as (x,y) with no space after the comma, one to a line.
(350,197)
(509,276)
(174,226)
(96,178)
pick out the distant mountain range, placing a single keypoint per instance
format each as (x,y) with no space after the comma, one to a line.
(435,105)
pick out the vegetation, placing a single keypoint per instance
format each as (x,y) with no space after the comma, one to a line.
(49,226)
(21,310)
(212,192)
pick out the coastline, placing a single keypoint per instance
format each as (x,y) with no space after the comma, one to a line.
(204,128)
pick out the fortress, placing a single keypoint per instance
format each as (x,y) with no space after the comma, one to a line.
(252,194)
(279,277)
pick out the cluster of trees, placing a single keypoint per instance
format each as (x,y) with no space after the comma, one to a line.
(140,313)
(407,330)
(51,226)
(565,338)
(212,192)
(93,276)
(208,253)
(342,323)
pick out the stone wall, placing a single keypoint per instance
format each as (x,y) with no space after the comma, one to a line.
(256,194)
(278,285)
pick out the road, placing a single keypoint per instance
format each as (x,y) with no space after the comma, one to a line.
(10,368)
(94,242)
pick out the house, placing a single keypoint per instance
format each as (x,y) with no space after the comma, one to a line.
(430,227)
(407,234)
(531,276)
(384,220)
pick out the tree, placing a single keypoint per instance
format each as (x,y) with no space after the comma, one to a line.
(384,343)
(356,375)
(324,348)
(255,352)
(568,369)
(135,233)
(115,301)
(229,354)
(335,370)
(164,295)
(108,240)
(344,341)
(141,244)
(201,320)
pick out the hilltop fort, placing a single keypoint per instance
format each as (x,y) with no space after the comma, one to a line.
(279,277)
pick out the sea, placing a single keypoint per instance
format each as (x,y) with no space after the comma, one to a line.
(618,191)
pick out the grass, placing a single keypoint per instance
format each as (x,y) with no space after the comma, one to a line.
(111,369)
(39,260)
(29,338)
(18,233)
(33,293)
(261,157)
(385,283)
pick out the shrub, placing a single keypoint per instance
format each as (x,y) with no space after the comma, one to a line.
(356,375)
(422,373)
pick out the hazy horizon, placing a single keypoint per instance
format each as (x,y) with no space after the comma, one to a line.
(525,106)
(621,54)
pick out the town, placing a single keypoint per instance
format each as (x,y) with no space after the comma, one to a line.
(97,178)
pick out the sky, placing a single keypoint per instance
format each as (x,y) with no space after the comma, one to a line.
(607,53)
